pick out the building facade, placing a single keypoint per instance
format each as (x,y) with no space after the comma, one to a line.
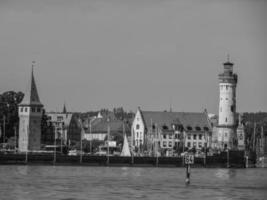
(227,108)
(60,121)
(30,116)
(165,132)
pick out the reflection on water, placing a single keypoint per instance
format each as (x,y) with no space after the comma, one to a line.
(69,183)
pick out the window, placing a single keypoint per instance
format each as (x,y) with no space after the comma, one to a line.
(195,137)
(21,109)
(200,137)
(164,144)
(170,137)
(170,144)
(225,135)
(165,127)
(226,119)
(164,136)
(198,128)
(176,136)
(59,118)
(38,109)
(137,134)
(26,109)
(188,144)
(33,109)
(200,145)
(232,108)
(189,137)
(137,126)
(189,128)
(227,87)
(194,144)
(206,128)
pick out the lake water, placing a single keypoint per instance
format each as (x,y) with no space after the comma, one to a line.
(75,182)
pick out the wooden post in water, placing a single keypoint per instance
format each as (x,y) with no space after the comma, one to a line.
(108,134)
(187,179)
(188,159)
(26,156)
(228,157)
(55,148)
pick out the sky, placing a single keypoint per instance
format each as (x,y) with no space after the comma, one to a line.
(97,54)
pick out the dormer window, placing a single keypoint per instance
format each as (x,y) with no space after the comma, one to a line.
(206,128)
(165,127)
(198,128)
(189,128)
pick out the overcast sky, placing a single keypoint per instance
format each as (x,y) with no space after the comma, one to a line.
(108,53)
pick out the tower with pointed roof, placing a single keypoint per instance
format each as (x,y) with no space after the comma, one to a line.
(30,115)
(64,109)
(226,128)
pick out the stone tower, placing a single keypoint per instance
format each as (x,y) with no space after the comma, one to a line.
(227,107)
(30,115)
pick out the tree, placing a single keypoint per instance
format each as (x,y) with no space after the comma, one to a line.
(9,118)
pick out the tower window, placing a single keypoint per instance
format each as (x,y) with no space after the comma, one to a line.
(38,110)
(137,126)
(33,109)
(227,87)
(226,119)
(26,109)
(232,108)
(21,109)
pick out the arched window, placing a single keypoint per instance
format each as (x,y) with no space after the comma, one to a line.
(137,126)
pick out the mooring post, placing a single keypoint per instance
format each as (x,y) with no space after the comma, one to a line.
(246,161)
(228,157)
(187,179)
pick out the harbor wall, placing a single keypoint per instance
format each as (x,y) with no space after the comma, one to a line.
(234,159)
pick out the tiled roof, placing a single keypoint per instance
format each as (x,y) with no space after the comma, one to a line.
(186,119)
(101,126)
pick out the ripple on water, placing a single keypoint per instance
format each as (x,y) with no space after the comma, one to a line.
(69,183)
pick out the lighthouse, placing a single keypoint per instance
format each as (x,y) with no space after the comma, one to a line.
(227,107)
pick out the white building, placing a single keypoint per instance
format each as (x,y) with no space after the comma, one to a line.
(154,131)
(61,122)
(227,108)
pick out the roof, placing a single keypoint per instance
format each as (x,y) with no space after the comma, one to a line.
(31,96)
(101,126)
(186,119)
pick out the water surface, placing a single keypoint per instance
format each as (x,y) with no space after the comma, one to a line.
(77,182)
